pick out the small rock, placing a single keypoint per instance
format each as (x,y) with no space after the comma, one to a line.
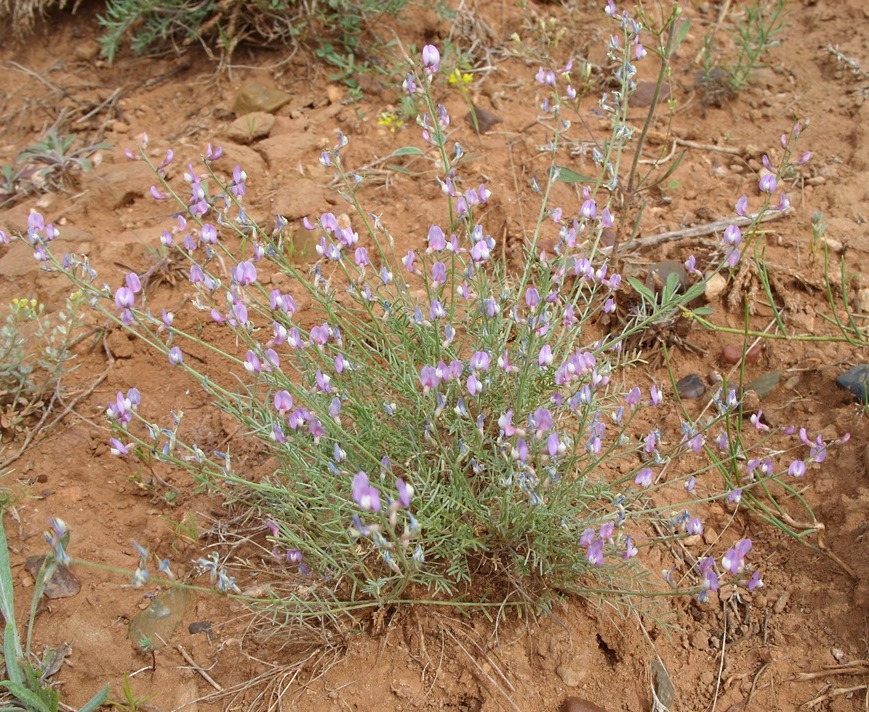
(481,120)
(571,674)
(577,704)
(151,629)
(334,94)
(86,50)
(856,380)
(645,94)
(660,272)
(764,385)
(862,301)
(715,287)
(199,627)
(782,601)
(62,583)
(251,127)
(707,678)
(732,354)
(700,640)
(256,97)
(710,536)
(833,245)
(691,386)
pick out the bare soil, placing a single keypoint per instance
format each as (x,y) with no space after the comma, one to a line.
(811,616)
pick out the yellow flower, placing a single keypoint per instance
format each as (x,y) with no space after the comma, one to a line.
(389,120)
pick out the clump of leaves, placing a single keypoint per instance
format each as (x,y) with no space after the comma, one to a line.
(51,164)
(721,79)
(35,351)
(225,24)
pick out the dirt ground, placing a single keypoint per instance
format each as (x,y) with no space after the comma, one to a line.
(811,616)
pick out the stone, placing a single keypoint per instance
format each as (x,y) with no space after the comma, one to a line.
(645,94)
(577,704)
(764,385)
(715,287)
(61,584)
(660,272)
(86,50)
(861,304)
(256,97)
(691,386)
(251,128)
(571,673)
(856,380)
(152,629)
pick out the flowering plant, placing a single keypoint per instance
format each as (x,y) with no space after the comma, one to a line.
(437,415)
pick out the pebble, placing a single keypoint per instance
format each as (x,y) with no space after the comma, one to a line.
(691,386)
(732,354)
(764,385)
(482,120)
(251,127)
(61,584)
(256,97)
(151,629)
(856,380)
(660,272)
(715,287)
(862,301)
(577,704)
(571,674)
(645,93)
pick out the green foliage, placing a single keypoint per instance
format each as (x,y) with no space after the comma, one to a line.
(35,352)
(721,79)
(50,164)
(338,27)
(27,685)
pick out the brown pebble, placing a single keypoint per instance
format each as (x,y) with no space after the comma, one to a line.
(482,120)
(577,704)
(732,354)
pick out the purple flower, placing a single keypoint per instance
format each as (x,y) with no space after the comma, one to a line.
(541,420)
(283,402)
(125,298)
(532,297)
(732,235)
(480,361)
(405,492)
(754,582)
(208,234)
(554,446)
(118,448)
(505,422)
(742,206)
(244,273)
(320,334)
(767,183)
(175,356)
(323,381)
(733,560)
(366,496)
(431,58)
(429,378)
(655,395)
(633,397)
(606,531)
(644,477)
(594,554)
(797,468)
(735,496)
(695,526)
(545,357)
(504,363)
(474,385)
(438,273)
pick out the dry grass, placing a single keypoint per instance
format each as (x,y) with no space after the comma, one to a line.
(23,14)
